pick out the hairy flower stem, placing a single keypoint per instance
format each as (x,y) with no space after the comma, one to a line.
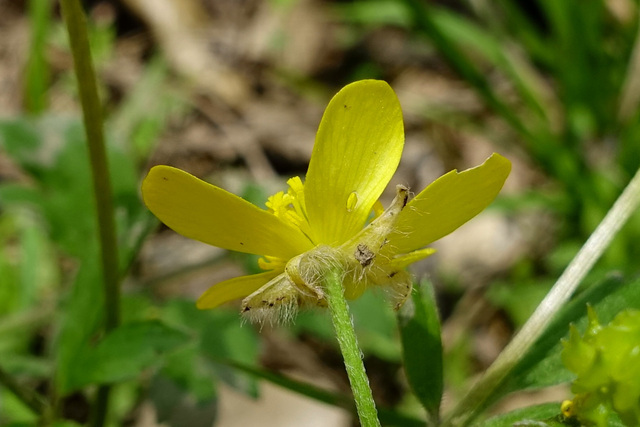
(92,113)
(351,353)
(483,391)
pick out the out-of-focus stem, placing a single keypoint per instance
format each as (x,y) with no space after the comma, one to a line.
(92,113)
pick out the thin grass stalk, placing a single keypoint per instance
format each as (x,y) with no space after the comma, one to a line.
(630,92)
(37,69)
(92,114)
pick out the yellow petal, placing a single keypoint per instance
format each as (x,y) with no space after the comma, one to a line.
(238,287)
(357,150)
(204,212)
(407,259)
(447,203)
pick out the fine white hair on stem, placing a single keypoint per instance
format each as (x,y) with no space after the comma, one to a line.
(281,314)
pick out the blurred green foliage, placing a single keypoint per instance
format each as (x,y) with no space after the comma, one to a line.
(572,102)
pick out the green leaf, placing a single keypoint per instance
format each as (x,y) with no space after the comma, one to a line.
(124,353)
(186,369)
(27,365)
(544,415)
(420,333)
(375,13)
(374,321)
(176,408)
(54,152)
(81,315)
(220,336)
(519,297)
(37,424)
(547,414)
(15,194)
(14,412)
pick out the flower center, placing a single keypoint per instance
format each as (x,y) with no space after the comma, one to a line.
(290,206)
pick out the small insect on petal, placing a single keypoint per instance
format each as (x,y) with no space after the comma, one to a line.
(366,264)
(364,255)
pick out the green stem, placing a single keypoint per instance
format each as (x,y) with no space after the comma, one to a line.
(92,113)
(31,399)
(37,70)
(482,392)
(350,351)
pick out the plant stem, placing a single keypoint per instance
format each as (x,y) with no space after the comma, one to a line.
(34,401)
(481,393)
(92,114)
(37,70)
(351,353)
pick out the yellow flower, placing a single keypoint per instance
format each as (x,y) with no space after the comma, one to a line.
(334,219)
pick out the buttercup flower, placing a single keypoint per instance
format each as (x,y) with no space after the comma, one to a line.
(334,218)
